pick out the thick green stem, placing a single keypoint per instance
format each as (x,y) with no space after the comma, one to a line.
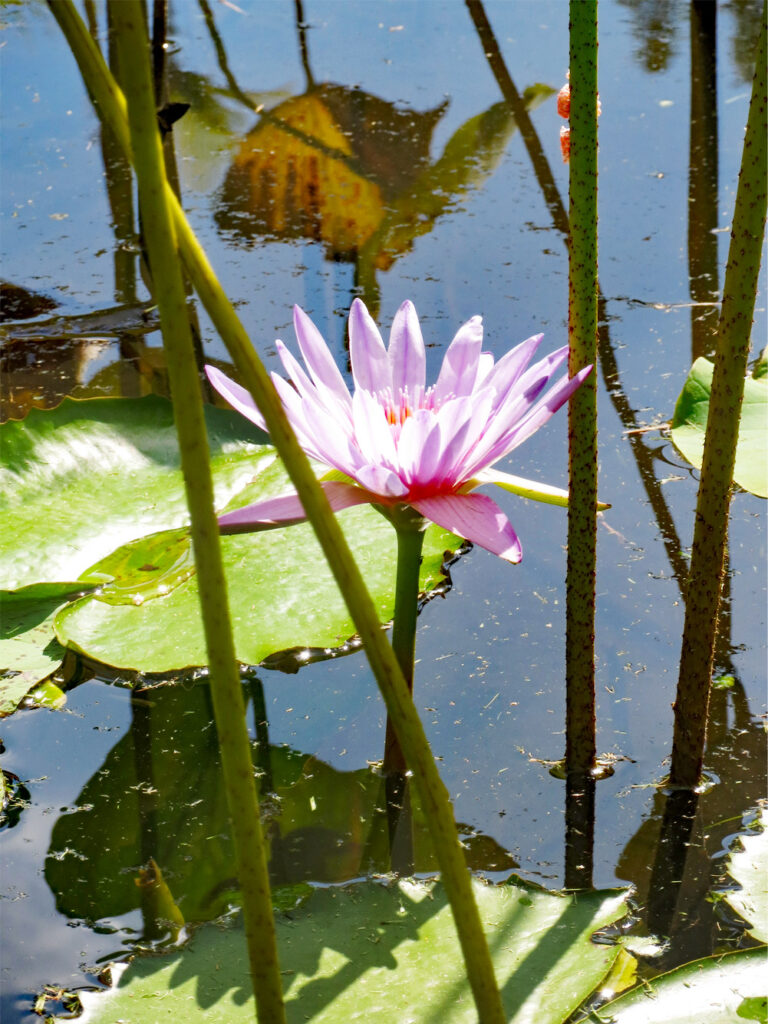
(712,505)
(580,748)
(229,709)
(435,802)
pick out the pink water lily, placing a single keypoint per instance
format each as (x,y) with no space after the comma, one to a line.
(395,441)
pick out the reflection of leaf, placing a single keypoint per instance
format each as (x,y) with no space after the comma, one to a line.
(384,953)
(689,425)
(318,820)
(323,166)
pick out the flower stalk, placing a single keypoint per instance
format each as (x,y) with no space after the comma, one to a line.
(434,797)
(410,529)
(226,690)
(580,748)
(713,502)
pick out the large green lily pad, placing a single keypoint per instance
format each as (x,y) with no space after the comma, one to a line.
(29,652)
(689,425)
(749,867)
(82,479)
(383,954)
(716,990)
(94,492)
(281,590)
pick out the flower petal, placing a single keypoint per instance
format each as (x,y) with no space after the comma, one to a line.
(509,369)
(371,432)
(545,409)
(477,518)
(287,509)
(317,356)
(382,482)
(407,355)
(459,370)
(236,395)
(370,362)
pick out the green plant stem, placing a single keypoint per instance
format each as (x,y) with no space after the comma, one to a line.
(228,704)
(580,750)
(713,501)
(410,541)
(435,801)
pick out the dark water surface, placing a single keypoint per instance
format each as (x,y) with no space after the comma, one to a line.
(451,213)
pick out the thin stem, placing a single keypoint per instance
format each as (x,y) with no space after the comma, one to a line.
(435,801)
(229,709)
(580,750)
(713,502)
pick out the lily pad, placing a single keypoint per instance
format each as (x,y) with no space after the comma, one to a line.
(29,652)
(80,480)
(379,953)
(94,488)
(714,990)
(689,425)
(749,867)
(281,590)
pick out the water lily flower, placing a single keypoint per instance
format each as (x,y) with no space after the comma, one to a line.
(395,441)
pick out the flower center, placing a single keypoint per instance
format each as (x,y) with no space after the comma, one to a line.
(397,410)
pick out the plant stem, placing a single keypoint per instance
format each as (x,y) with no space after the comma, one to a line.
(713,501)
(410,541)
(580,750)
(434,797)
(229,709)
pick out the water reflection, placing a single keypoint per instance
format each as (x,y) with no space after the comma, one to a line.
(673,860)
(352,171)
(149,831)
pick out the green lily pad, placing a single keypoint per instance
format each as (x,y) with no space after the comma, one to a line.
(282,594)
(80,480)
(29,652)
(689,425)
(94,489)
(749,867)
(379,953)
(714,990)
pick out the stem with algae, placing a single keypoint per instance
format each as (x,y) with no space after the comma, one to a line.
(434,797)
(226,690)
(713,501)
(580,749)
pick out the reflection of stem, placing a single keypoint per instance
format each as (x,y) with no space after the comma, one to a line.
(399,822)
(713,500)
(146,798)
(541,166)
(608,363)
(669,862)
(301,26)
(579,829)
(261,725)
(702,178)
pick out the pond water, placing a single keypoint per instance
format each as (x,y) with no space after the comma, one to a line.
(456,215)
